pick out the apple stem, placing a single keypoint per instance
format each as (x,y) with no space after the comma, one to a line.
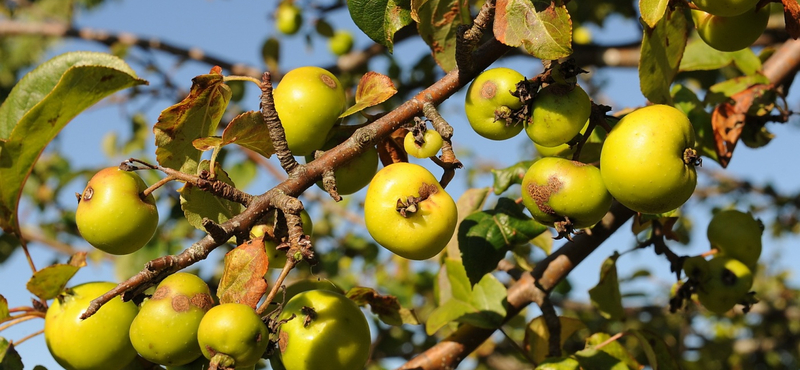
(448,160)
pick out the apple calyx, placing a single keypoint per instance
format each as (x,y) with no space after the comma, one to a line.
(690,157)
(409,206)
(310,315)
(221,361)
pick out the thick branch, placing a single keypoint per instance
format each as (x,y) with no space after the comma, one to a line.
(532,287)
(9,27)
(161,267)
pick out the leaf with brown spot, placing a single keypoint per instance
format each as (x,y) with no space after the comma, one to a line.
(387,307)
(437,24)
(247,130)
(373,89)
(196,116)
(77,260)
(541,27)
(728,120)
(391,149)
(791,14)
(243,278)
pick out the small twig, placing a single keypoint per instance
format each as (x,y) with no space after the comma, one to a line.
(215,187)
(609,340)
(18,320)
(448,160)
(329,180)
(276,287)
(276,132)
(29,336)
(150,189)
(467,37)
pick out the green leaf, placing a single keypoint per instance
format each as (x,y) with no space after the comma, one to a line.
(652,11)
(437,22)
(373,89)
(9,358)
(381,19)
(614,348)
(595,359)
(198,204)
(561,363)
(656,351)
(270,53)
(387,307)
(40,105)
(504,178)
(4,314)
(196,116)
(469,202)
(243,278)
(50,281)
(687,102)
(481,306)
(605,295)
(537,335)
(698,56)
(247,130)
(662,49)
(485,237)
(541,27)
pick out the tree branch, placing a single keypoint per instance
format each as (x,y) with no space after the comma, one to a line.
(532,287)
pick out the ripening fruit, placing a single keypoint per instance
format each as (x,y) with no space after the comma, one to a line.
(288,18)
(112,216)
(558,115)
(311,284)
(427,225)
(728,283)
(99,342)
(341,42)
(277,259)
(431,145)
(328,332)
(165,330)
(309,101)
(726,8)
(489,94)
(696,268)
(645,163)
(737,235)
(355,174)
(731,33)
(555,189)
(233,329)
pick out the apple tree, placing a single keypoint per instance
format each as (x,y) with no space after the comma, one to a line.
(342,213)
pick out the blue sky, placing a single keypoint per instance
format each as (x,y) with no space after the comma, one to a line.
(235,30)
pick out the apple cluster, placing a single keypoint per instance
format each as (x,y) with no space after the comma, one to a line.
(179,327)
(646,162)
(729,25)
(726,279)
